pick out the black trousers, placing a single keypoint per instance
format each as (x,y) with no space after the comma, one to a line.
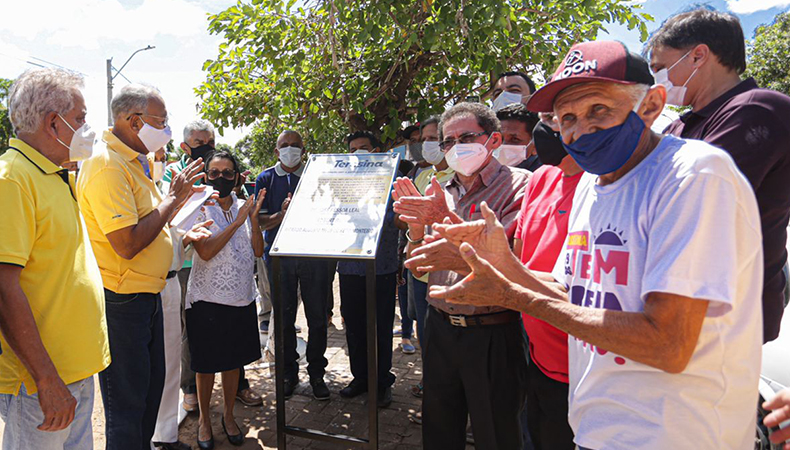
(131,387)
(312,276)
(547,412)
(476,372)
(354,312)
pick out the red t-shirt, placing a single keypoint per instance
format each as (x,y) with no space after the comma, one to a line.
(542,225)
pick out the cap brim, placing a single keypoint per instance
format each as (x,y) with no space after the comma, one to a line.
(543,99)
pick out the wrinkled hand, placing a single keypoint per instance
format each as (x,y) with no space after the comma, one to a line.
(246,209)
(400,280)
(181,186)
(487,236)
(422,209)
(258,205)
(57,404)
(286,203)
(436,255)
(780,407)
(199,232)
(485,286)
(212,199)
(404,187)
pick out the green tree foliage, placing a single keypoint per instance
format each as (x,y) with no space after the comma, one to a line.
(370,65)
(769,54)
(6,130)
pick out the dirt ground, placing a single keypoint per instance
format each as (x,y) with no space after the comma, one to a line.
(338,415)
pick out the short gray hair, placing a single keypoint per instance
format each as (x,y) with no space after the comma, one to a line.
(40,91)
(133,98)
(484,115)
(636,92)
(196,126)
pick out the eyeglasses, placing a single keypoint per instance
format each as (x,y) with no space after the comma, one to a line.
(164,120)
(466,138)
(227,174)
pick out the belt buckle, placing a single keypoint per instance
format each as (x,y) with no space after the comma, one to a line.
(457,321)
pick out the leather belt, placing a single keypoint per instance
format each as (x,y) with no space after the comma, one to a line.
(480,320)
(172,274)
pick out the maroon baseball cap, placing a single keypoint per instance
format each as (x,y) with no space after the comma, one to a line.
(592,61)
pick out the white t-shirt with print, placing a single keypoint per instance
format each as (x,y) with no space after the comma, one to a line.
(684,221)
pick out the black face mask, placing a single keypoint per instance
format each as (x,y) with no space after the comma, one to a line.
(202,151)
(548,144)
(223,186)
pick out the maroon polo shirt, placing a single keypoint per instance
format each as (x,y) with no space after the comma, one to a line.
(753,126)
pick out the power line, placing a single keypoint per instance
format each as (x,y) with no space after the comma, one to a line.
(117,72)
(40,65)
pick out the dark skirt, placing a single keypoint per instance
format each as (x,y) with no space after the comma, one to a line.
(222,337)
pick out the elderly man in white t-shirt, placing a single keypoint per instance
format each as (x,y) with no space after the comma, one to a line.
(659,281)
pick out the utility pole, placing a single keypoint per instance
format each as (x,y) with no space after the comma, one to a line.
(111,77)
(109,91)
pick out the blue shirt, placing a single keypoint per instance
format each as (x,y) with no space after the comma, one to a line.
(277,189)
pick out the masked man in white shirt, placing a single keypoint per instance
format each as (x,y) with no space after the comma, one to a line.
(659,281)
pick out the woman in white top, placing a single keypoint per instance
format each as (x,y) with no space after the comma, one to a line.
(221,319)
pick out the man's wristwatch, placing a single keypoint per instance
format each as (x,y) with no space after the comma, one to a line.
(413,241)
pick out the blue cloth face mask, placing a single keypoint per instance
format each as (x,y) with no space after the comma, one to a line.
(607,150)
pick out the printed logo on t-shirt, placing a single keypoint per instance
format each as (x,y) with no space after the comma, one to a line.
(607,259)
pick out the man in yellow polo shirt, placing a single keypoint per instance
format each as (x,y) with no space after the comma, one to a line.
(54,333)
(127,222)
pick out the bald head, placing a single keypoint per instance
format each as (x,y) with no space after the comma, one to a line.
(290,138)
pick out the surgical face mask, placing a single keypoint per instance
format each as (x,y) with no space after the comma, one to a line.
(415,152)
(466,159)
(159,171)
(81,145)
(548,144)
(361,151)
(431,152)
(401,150)
(290,156)
(154,138)
(676,95)
(201,151)
(510,155)
(504,99)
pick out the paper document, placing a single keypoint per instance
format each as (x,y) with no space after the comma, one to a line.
(186,217)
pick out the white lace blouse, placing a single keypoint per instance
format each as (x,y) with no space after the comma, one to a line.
(227,278)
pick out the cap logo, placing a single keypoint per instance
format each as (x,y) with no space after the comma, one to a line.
(573,57)
(575,64)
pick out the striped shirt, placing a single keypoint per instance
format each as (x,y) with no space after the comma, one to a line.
(502,188)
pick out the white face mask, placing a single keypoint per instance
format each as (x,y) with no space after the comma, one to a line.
(290,156)
(431,152)
(676,95)
(504,99)
(159,171)
(361,151)
(466,159)
(154,138)
(81,145)
(510,155)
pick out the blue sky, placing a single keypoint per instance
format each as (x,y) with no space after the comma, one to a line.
(82,34)
(751,13)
